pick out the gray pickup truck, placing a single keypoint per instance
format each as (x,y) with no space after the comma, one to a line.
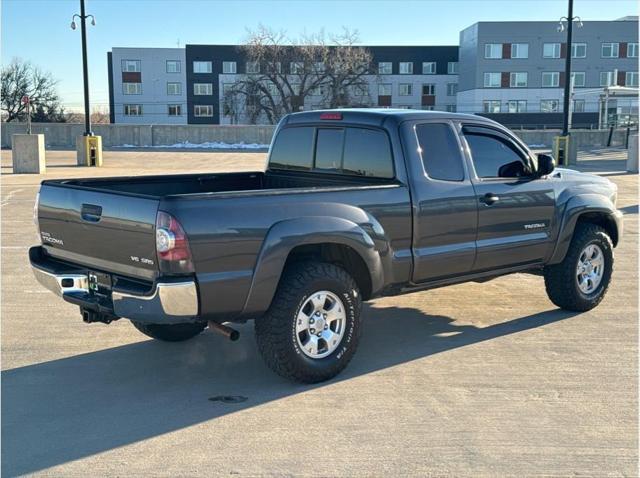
(353,205)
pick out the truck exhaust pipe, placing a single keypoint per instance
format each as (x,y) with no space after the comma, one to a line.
(228,332)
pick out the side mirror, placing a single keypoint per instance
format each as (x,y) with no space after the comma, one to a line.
(546,164)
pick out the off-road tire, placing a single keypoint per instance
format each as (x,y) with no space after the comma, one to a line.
(560,279)
(170,332)
(276,330)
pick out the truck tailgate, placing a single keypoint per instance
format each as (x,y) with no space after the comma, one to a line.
(107,231)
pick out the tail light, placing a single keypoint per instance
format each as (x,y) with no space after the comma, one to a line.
(172,245)
(36,206)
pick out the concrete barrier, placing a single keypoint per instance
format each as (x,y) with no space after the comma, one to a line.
(28,154)
(632,158)
(62,135)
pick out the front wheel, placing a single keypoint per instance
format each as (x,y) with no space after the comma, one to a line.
(170,332)
(312,328)
(580,281)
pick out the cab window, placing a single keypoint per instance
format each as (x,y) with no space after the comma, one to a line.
(494,156)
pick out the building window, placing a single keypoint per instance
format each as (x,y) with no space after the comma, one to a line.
(578,106)
(406,68)
(319,67)
(201,111)
(551,50)
(131,65)
(174,89)
(227,88)
(384,89)
(133,110)
(632,50)
(428,90)
(202,67)
(174,110)
(131,88)
(320,90)
(517,106)
(452,89)
(631,78)
(405,89)
(610,50)
(579,79)
(550,79)
(492,80)
(452,68)
(173,66)
(579,50)
(518,80)
(491,106)
(549,106)
(202,89)
(229,67)
(252,67)
(519,50)
(428,67)
(493,51)
(385,68)
(607,78)
(361,90)
(296,67)
(451,108)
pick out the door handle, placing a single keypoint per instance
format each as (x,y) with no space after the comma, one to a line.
(489,199)
(91,212)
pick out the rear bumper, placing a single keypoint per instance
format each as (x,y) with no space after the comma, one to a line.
(165,302)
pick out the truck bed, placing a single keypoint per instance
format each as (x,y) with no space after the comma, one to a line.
(158,187)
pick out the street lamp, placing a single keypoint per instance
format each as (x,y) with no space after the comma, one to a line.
(85,69)
(567,23)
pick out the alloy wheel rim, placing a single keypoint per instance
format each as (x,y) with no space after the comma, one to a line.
(320,324)
(590,268)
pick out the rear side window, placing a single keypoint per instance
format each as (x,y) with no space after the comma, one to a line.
(367,153)
(440,152)
(293,149)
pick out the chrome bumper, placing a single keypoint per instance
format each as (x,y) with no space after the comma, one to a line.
(168,302)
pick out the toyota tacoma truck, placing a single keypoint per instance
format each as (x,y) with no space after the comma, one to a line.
(352,205)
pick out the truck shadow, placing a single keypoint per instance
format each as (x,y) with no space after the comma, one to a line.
(67,409)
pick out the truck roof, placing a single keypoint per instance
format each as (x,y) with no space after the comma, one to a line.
(376,116)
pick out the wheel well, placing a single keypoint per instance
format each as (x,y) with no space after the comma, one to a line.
(602,220)
(339,254)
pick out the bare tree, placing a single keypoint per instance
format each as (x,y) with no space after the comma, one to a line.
(282,74)
(21,78)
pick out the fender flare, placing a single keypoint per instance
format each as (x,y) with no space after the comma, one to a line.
(284,236)
(576,207)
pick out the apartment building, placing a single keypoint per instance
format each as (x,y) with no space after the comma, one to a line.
(511,71)
(517,68)
(147,85)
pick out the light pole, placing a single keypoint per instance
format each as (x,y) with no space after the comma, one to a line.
(85,68)
(569,19)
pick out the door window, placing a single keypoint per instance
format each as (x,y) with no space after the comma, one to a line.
(494,156)
(440,151)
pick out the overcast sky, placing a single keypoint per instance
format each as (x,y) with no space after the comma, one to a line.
(38,30)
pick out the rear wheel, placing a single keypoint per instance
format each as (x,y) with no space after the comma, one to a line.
(580,281)
(312,328)
(170,332)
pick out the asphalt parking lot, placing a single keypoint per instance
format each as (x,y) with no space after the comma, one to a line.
(471,380)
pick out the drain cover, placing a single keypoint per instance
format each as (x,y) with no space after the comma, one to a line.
(228,399)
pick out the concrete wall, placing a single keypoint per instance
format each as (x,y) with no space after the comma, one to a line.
(63,135)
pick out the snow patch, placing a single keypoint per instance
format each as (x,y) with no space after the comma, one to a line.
(207,145)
